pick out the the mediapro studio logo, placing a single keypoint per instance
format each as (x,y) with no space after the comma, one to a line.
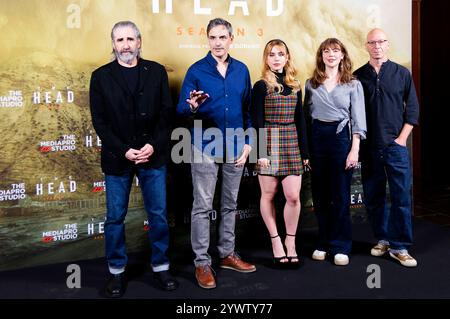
(98,187)
(66,143)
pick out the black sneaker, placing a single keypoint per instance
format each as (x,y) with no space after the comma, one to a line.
(165,280)
(116,286)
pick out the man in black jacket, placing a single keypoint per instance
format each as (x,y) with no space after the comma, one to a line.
(130,107)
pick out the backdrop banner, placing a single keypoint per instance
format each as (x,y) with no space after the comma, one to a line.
(52,191)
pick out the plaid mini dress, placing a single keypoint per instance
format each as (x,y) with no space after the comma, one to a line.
(281,136)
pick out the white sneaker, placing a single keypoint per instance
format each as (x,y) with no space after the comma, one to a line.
(404,258)
(379,249)
(341,259)
(319,255)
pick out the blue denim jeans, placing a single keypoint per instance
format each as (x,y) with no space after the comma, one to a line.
(391,164)
(153,185)
(331,186)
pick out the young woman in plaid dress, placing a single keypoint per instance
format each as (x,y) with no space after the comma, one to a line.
(278,117)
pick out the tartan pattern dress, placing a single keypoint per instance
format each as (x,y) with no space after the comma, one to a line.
(281,136)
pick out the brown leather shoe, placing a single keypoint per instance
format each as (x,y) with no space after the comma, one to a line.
(234,262)
(205,277)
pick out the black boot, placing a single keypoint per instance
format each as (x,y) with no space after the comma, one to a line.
(165,280)
(116,286)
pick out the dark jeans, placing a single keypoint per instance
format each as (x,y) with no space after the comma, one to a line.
(153,185)
(331,186)
(389,164)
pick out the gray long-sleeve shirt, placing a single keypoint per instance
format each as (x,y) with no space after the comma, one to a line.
(344,104)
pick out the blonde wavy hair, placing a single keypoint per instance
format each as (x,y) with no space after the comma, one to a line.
(269,77)
(345,66)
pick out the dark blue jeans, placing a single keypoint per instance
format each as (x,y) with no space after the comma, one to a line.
(331,186)
(153,185)
(391,164)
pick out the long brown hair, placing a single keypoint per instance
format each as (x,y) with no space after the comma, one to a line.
(269,77)
(345,66)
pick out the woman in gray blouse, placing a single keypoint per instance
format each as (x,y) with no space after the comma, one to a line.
(335,103)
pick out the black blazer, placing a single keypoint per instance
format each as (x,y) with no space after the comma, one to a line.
(124,120)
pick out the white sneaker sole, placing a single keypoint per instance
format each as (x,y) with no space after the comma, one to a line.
(408,263)
(341,262)
(377,252)
(319,256)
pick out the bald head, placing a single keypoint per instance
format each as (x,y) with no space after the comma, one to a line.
(377,32)
(377,45)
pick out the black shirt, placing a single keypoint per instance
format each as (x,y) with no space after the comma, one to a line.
(390,99)
(131,76)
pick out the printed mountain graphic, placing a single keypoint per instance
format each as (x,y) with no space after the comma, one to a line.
(23,129)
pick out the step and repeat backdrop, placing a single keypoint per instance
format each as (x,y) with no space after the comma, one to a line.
(52,200)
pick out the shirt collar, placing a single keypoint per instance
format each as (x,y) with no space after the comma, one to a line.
(213,61)
(384,64)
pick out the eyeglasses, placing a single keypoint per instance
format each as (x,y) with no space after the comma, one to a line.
(373,43)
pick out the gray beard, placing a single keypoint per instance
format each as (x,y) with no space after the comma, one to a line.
(128,57)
